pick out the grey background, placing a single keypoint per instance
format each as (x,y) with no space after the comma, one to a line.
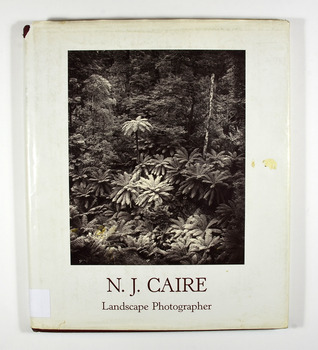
(14,322)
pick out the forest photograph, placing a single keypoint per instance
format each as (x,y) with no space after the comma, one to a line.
(156,157)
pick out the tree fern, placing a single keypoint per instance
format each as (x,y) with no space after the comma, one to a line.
(152,191)
(193,184)
(159,165)
(124,192)
(177,227)
(184,157)
(174,168)
(139,125)
(217,183)
(83,192)
(79,176)
(100,181)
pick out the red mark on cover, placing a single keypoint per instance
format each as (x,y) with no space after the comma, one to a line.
(26,30)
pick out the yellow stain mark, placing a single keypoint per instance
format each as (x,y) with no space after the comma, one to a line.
(60,325)
(270,163)
(253,164)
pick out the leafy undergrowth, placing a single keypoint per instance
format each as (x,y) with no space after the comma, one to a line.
(151,216)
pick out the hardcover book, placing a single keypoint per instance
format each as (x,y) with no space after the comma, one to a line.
(158,174)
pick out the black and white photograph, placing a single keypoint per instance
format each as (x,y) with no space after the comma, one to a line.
(156,157)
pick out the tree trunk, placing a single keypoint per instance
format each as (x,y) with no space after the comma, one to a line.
(190,120)
(208,119)
(127,74)
(93,116)
(70,112)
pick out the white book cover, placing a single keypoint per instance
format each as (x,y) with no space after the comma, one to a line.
(158,174)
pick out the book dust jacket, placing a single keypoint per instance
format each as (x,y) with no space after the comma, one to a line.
(158,174)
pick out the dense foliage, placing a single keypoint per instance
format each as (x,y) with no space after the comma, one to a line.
(156,157)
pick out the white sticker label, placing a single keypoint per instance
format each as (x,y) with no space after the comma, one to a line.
(40,303)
